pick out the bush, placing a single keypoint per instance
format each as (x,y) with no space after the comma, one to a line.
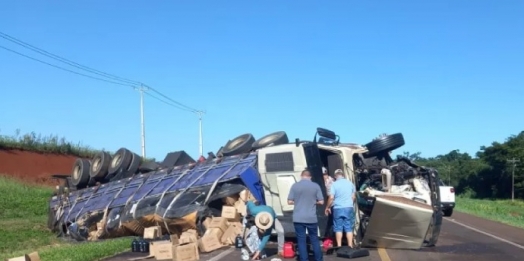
(45,144)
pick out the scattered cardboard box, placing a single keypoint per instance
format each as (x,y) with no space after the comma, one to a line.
(209,243)
(219,222)
(234,229)
(230,213)
(152,232)
(186,252)
(162,250)
(241,207)
(230,200)
(27,257)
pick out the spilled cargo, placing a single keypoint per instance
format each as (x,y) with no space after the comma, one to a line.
(118,196)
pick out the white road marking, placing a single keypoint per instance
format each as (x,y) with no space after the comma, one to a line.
(487,234)
(221,255)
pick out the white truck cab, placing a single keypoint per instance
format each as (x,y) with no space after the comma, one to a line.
(398,202)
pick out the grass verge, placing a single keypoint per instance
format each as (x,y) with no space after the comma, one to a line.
(504,211)
(48,144)
(23,228)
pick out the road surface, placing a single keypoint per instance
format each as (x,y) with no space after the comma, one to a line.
(463,238)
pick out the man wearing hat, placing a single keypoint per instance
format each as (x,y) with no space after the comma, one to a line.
(342,197)
(265,220)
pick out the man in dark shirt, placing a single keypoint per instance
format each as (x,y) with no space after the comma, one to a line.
(306,195)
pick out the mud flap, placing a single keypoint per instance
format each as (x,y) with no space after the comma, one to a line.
(397,222)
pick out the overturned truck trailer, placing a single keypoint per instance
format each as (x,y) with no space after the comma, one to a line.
(398,202)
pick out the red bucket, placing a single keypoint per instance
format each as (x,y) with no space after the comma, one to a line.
(289,250)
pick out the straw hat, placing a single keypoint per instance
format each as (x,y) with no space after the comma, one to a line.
(264,220)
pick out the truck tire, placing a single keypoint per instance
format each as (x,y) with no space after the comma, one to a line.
(448,212)
(80,172)
(239,145)
(385,144)
(120,161)
(219,152)
(100,165)
(272,139)
(148,167)
(133,166)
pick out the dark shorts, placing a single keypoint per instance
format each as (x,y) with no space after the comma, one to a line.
(343,219)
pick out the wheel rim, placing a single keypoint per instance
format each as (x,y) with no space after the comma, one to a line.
(76,172)
(116,160)
(96,164)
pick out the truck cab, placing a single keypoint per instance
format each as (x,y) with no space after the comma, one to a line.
(392,214)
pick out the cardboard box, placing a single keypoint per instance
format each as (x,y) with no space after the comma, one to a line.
(152,232)
(230,213)
(241,208)
(209,243)
(162,250)
(230,200)
(216,232)
(206,222)
(184,238)
(234,229)
(219,222)
(27,257)
(186,252)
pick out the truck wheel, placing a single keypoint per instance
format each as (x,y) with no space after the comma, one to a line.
(100,165)
(275,138)
(148,167)
(448,212)
(80,173)
(133,166)
(385,144)
(239,145)
(219,152)
(120,161)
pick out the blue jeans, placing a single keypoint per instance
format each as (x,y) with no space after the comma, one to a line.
(343,219)
(312,230)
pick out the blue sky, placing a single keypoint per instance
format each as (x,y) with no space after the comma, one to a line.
(447,74)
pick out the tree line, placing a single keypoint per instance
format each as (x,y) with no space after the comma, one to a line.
(488,174)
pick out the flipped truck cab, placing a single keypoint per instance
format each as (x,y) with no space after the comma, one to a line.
(398,202)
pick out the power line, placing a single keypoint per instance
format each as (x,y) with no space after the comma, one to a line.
(61,68)
(64,60)
(128,82)
(182,106)
(164,101)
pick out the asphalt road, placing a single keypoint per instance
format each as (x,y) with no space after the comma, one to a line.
(463,238)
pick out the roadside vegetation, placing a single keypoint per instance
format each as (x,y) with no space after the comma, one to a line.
(483,181)
(45,144)
(501,210)
(48,144)
(23,219)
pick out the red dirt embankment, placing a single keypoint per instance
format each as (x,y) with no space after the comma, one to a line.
(34,167)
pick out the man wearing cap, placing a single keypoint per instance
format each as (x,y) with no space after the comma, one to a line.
(265,220)
(342,197)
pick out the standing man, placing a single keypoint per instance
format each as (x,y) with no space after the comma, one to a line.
(327,180)
(306,195)
(266,221)
(342,197)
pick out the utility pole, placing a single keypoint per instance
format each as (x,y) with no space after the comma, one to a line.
(514,163)
(141,90)
(200,138)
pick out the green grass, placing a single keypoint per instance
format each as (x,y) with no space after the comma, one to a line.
(48,144)
(23,228)
(504,211)
(45,144)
